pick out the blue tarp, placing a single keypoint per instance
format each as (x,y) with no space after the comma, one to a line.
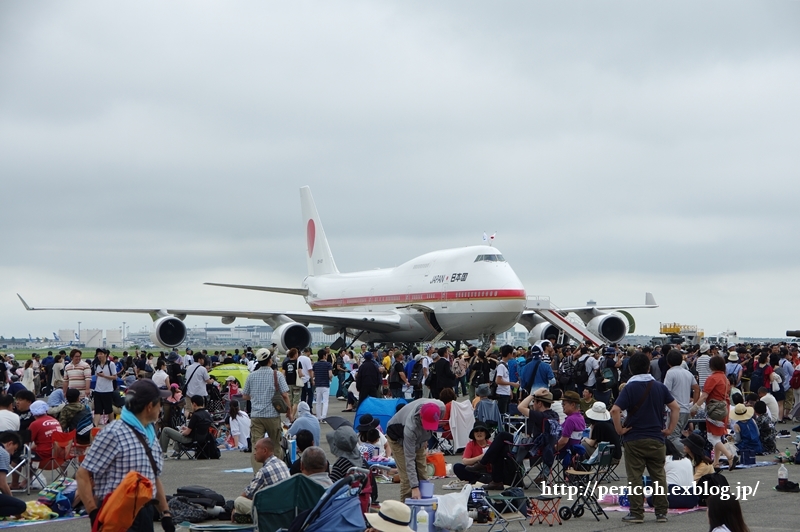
(381,409)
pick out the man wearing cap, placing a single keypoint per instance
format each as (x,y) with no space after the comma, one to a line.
(536,373)
(541,417)
(42,430)
(408,432)
(574,424)
(259,390)
(197,377)
(643,435)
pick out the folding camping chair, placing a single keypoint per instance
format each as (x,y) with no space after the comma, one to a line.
(566,460)
(276,506)
(487,412)
(584,480)
(58,463)
(505,512)
(338,509)
(197,447)
(26,471)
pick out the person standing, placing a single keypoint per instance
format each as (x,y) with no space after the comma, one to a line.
(502,379)
(397,376)
(681,384)
(77,374)
(103,396)
(259,390)
(323,373)
(128,444)
(289,370)
(443,369)
(306,372)
(57,379)
(701,364)
(197,377)
(368,378)
(643,435)
(408,432)
(340,371)
(716,389)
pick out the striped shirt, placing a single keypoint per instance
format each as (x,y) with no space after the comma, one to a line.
(78,377)
(701,367)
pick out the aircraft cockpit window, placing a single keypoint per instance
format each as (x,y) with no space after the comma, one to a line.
(490,258)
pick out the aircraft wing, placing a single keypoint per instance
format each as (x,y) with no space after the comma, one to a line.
(381,322)
(587,313)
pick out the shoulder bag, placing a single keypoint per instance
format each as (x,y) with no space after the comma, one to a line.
(278,402)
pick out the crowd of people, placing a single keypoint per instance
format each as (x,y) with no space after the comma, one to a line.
(662,406)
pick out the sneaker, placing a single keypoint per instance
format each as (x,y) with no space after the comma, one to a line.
(661,518)
(455,485)
(630,518)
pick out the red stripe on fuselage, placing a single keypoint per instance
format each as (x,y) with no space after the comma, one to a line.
(419,297)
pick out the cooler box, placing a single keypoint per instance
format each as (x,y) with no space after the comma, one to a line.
(748,457)
(430,506)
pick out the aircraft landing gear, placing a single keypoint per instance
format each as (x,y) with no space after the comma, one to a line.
(486,341)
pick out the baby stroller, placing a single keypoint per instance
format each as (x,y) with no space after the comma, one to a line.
(339,508)
(216,405)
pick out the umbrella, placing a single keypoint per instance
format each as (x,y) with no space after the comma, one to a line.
(336,421)
(225,370)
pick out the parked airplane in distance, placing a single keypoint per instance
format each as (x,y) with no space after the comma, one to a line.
(453,294)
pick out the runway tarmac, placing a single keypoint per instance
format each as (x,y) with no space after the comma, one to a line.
(766,511)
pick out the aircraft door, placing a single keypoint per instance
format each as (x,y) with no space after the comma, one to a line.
(445,289)
(371,301)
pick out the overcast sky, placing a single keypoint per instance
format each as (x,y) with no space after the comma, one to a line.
(615,147)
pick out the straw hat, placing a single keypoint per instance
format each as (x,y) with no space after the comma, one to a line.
(394,516)
(741,412)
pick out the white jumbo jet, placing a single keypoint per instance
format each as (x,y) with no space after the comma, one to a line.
(452,294)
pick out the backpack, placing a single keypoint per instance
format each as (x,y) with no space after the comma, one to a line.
(565,371)
(580,375)
(83,424)
(120,507)
(416,375)
(757,378)
(611,375)
(794,382)
(182,509)
(394,376)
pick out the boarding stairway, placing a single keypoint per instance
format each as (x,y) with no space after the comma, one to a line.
(574,328)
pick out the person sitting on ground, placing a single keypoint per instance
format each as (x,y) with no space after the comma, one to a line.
(42,430)
(74,415)
(479,442)
(304,420)
(772,404)
(56,400)
(558,405)
(343,443)
(314,465)
(272,472)
(602,431)
(679,476)
(303,440)
(766,429)
(366,422)
(352,394)
(736,399)
(195,431)
(725,515)
(746,434)
(393,516)
(9,505)
(239,424)
(694,449)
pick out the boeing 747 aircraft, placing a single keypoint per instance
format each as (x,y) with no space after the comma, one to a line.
(452,294)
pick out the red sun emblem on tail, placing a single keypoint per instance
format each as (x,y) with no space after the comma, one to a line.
(311,235)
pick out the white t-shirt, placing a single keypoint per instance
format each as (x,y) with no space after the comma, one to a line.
(103,385)
(592,365)
(240,426)
(679,472)
(306,366)
(502,372)
(196,377)
(8,421)
(160,378)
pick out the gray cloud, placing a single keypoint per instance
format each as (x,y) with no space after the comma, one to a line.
(615,147)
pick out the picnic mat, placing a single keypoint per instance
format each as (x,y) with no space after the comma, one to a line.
(244,470)
(757,464)
(673,511)
(18,523)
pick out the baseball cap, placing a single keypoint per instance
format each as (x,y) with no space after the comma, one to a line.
(429,414)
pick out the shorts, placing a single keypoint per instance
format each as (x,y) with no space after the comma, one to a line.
(294,394)
(713,440)
(780,395)
(103,403)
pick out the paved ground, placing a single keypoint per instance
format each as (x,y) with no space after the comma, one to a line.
(767,511)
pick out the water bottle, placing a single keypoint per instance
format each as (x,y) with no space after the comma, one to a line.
(422,520)
(783,476)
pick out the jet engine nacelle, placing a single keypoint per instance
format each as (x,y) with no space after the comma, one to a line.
(610,327)
(542,331)
(168,331)
(291,335)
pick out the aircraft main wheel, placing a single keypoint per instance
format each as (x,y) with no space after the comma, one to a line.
(578,511)
(565,513)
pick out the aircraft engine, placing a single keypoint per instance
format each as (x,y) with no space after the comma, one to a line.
(610,327)
(291,335)
(542,331)
(168,331)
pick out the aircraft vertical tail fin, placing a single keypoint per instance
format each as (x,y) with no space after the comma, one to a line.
(319,257)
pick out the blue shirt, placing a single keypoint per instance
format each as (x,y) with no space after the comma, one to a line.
(648,421)
(306,422)
(544,374)
(512,370)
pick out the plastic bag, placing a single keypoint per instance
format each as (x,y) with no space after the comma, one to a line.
(451,513)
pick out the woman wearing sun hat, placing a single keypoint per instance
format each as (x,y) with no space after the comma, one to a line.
(479,438)
(746,434)
(602,431)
